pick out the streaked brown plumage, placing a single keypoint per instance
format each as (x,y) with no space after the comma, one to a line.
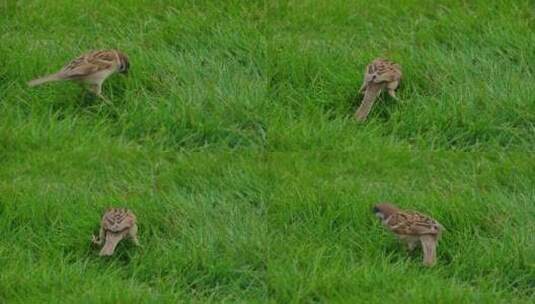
(91,68)
(116,224)
(412,227)
(379,74)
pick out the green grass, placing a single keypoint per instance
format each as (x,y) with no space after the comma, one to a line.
(232,139)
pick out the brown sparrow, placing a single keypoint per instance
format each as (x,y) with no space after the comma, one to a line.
(116,224)
(411,227)
(91,68)
(379,74)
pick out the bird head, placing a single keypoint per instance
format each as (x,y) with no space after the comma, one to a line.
(124,63)
(384,210)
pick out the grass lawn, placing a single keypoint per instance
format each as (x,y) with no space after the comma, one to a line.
(232,139)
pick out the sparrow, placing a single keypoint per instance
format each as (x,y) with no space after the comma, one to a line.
(116,224)
(412,228)
(379,74)
(90,68)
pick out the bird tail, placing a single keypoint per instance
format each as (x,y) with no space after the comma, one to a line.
(45,79)
(112,239)
(370,95)
(429,247)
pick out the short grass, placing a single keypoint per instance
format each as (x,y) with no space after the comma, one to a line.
(233,141)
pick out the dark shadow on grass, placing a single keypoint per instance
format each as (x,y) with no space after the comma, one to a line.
(398,253)
(87,99)
(381,110)
(353,102)
(384,107)
(123,254)
(116,91)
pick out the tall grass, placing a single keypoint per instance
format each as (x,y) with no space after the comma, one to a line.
(232,139)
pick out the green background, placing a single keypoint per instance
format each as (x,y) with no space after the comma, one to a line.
(232,139)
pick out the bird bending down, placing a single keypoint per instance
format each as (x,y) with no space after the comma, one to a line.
(116,224)
(412,228)
(91,68)
(379,74)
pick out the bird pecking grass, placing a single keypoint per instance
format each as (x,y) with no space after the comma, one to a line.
(233,140)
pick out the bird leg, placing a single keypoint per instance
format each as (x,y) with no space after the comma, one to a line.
(96,88)
(132,233)
(412,244)
(100,239)
(362,89)
(410,241)
(391,89)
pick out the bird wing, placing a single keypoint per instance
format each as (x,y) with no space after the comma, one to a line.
(385,71)
(413,223)
(88,64)
(116,220)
